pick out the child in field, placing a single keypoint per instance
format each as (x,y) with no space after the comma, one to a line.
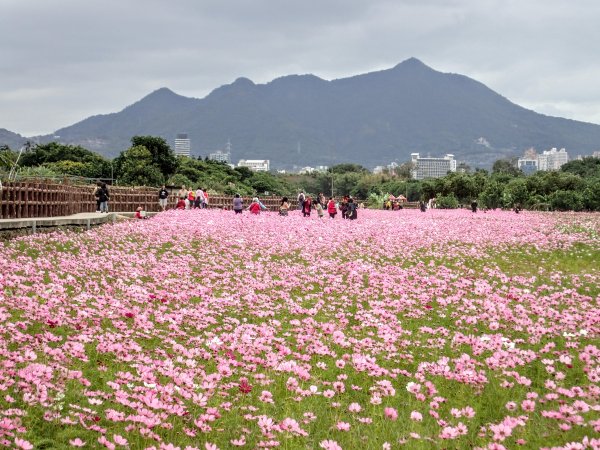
(319,209)
(140,213)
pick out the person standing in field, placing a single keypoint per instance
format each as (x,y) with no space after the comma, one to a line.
(163,195)
(344,206)
(351,209)
(331,208)
(307,206)
(205,201)
(97,192)
(104,197)
(182,193)
(238,204)
(284,207)
(301,199)
(321,199)
(319,208)
(199,198)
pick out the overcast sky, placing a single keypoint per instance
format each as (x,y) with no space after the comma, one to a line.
(64,60)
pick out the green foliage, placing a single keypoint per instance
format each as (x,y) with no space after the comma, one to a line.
(38,172)
(591,195)
(515,193)
(586,168)
(162,155)
(506,166)
(566,201)
(179,180)
(491,196)
(67,160)
(446,201)
(137,169)
(345,168)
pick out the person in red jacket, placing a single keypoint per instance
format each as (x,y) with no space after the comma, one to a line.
(254,207)
(307,206)
(331,209)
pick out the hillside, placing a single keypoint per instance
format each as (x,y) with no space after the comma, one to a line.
(371,119)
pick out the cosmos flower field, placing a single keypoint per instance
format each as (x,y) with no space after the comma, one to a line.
(204,330)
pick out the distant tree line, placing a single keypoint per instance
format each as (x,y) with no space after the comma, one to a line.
(151,162)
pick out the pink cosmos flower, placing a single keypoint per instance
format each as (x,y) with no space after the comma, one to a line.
(390,413)
(343,426)
(239,442)
(330,445)
(528,405)
(354,408)
(416,416)
(77,442)
(22,443)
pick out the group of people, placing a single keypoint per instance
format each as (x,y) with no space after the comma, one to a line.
(186,198)
(347,206)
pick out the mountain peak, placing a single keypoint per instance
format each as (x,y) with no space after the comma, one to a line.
(412,63)
(243,81)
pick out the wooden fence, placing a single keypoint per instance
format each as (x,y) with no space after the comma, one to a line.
(30,199)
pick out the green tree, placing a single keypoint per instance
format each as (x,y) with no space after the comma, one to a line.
(515,192)
(162,155)
(137,168)
(591,195)
(67,159)
(491,196)
(506,166)
(347,167)
(588,167)
(566,201)
(446,201)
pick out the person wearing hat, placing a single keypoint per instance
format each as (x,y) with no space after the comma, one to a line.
(254,207)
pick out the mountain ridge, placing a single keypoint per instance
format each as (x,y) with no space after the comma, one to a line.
(371,118)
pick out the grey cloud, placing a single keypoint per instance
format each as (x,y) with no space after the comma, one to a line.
(67,59)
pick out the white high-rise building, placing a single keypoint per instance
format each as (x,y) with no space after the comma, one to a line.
(183,145)
(220,155)
(432,167)
(528,166)
(258,165)
(552,159)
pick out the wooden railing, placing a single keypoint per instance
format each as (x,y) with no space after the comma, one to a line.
(29,199)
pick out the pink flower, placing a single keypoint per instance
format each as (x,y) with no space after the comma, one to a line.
(330,445)
(244,386)
(119,440)
(354,408)
(416,416)
(390,413)
(22,443)
(77,442)
(343,426)
(528,405)
(239,442)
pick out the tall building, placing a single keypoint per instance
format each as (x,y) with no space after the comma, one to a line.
(528,166)
(552,159)
(222,156)
(183,145)
(258,165)
(432,167)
